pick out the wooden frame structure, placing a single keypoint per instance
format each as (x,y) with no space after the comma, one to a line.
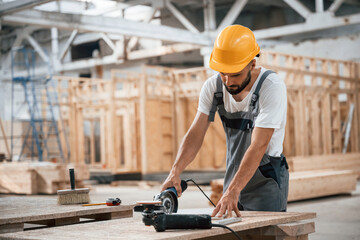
(320,93)
(141,117)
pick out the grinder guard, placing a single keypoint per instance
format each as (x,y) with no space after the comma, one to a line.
(169,198)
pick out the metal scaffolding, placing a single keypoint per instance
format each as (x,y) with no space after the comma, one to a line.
(41,136)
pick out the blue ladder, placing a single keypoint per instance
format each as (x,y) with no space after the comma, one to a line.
(33,88)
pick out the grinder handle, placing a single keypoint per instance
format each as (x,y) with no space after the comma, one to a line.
(182,221)
(183,187)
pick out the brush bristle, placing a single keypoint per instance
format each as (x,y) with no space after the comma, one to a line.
(73,198)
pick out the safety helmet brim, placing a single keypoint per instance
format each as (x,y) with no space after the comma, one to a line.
(232,68)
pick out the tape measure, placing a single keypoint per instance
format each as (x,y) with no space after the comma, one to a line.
(109,202)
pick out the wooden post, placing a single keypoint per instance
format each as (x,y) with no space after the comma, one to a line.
(5,139)
(103,136)
(92,142)
(326,124)
(143,135)
(113,162)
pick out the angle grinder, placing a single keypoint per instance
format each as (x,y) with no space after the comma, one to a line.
(158,213)
(169,198)
(154,215)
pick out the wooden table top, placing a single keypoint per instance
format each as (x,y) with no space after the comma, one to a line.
(29,209)
(133,228)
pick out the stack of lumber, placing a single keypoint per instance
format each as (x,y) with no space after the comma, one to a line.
(314,176)
(349,161)
(306,185)
(313,184)
(39,177)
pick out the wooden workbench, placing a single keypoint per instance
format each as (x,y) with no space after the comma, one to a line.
(15,211)
(254,225)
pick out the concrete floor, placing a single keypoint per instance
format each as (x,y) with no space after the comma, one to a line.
(338,217)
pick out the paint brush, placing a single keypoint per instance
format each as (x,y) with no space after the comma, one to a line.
(73,195)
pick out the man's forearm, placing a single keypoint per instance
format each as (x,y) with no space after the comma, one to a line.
(188,149)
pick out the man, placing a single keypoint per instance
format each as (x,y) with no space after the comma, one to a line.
(251,102)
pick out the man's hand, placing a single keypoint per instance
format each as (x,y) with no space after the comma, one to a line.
(172,181)
(227,203)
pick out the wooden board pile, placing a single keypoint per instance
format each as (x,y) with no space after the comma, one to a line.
(39,177)
(349,161)
(314,176)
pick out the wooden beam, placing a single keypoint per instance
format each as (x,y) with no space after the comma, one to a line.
(313,184)
(143,121)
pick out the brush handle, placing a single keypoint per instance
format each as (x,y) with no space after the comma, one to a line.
(72,178)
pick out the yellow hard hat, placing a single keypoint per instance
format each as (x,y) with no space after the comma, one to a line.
(234,48)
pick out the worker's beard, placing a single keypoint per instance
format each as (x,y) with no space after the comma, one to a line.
(236,89)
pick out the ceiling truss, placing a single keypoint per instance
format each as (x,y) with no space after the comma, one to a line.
(190,38)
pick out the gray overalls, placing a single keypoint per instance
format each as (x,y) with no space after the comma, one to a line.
(267,190)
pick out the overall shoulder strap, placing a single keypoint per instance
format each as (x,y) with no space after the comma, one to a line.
(217,99)
(255,95)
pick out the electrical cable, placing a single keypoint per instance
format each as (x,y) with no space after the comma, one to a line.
(223,226)
(214,224)
(188,180)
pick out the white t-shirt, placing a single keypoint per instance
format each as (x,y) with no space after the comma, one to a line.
(272,106)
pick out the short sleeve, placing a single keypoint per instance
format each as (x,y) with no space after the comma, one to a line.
(272,105)
(206,96)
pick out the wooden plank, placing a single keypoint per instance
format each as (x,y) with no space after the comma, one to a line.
(5,138)
(135,229)
(300,124)
(92,143)
(11,227)
(305,185)
(294,229)
(349,161)
(315,123)
(15,210)
(326,124)
(111,128)
(153,135)
(103,138)
(143,124)
(17,178)
(335,124)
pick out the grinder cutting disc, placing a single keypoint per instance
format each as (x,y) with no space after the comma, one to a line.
(169,201)
(169,198)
